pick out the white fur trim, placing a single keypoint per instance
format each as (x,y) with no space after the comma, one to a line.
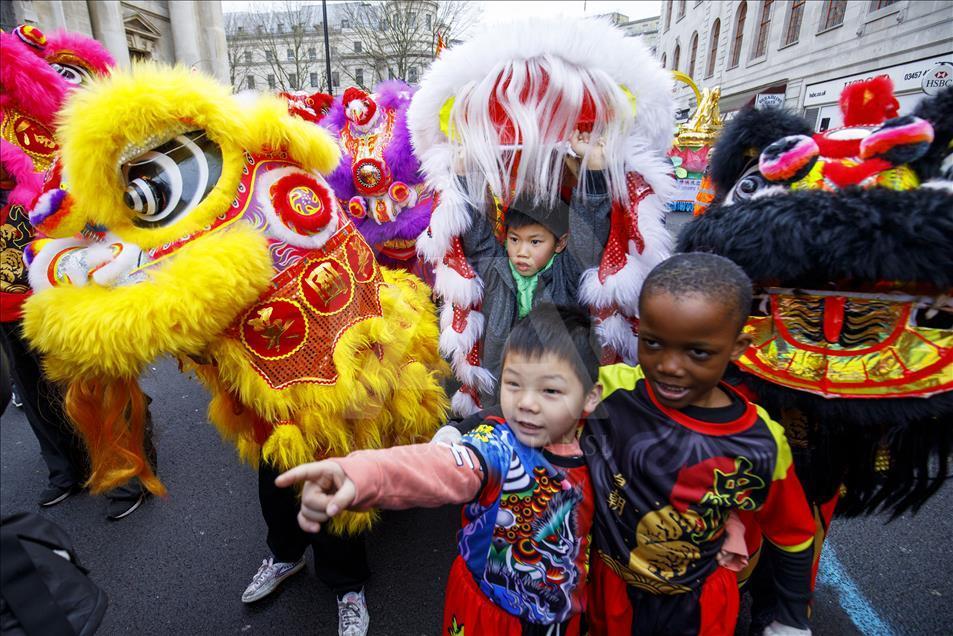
(615,332)
(463,404)
(276,226)
(470,375)
(592,48)
(454,288)
(452,342)
(117,269)
(37,272)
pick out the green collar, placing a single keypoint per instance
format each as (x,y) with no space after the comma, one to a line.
(526,287)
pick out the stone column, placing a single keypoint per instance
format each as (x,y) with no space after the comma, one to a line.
(213,26)
(185,36)
(108,28)
(57,17)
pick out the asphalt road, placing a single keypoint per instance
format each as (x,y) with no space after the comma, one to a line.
(179,565)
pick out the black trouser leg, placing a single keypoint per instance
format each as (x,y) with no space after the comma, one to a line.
(60,447)
(340,562)
(131,490)
(279,507)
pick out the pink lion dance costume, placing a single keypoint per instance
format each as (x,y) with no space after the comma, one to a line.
(37,74)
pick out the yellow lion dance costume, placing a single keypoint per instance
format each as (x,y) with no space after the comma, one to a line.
(209,234)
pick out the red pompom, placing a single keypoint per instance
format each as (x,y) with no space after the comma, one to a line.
(869,103)
(302,203)
(353,94)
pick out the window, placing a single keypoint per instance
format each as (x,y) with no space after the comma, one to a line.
(290,54)
(293,81)
(312,54)
(664,60)
(357,47)
(761,43)
(271,81)
(794,22)
(359,75)
(429,19)
(692,54)
(832,14)
(668,14)
(681,10)
(412,75)
(391,74)
(270,55)
(335,78)
(281,27)
(247,57)
(875,5)
(713,48)
(314,80)
(677,54)
(739,34)
(250,82)
(344,24)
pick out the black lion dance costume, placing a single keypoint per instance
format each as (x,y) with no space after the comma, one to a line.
(846,235)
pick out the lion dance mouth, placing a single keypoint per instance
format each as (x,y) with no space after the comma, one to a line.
(206,232)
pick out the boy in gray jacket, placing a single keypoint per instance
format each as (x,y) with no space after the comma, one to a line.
(545,253)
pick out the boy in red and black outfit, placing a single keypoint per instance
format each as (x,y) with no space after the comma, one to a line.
(672,451)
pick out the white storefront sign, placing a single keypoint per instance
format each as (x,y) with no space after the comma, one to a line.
(769,100)
(906,77)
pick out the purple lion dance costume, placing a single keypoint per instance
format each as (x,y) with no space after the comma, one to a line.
(378,180)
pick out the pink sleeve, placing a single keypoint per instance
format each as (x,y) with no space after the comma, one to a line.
(735,552)
(419,475)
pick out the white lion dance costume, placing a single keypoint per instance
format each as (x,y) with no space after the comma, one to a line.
(504,104)
(218,241)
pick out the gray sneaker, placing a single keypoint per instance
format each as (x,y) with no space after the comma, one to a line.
(268,577)
(353,618)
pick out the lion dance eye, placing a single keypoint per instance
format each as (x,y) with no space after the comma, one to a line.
(166,183)
(749,183)
(73,74)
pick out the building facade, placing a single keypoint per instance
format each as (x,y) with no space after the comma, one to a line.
(186,32)
(799,53)
(645,28)
(285,50)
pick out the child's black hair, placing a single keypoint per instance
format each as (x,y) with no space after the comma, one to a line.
(709,275)
(523,213)
(565,332)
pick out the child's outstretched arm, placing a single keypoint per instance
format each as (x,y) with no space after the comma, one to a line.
(419,475)
(326,491)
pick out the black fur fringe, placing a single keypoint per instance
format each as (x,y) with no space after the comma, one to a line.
(844,437)
(814,238)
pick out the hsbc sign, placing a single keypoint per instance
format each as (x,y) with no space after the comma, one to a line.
(937,78)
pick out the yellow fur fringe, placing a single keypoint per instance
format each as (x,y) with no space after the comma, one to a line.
(112,332)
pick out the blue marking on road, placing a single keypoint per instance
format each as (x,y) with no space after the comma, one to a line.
(861,612)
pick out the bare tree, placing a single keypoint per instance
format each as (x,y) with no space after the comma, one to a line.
(399,37)
(285,36)
(241,52)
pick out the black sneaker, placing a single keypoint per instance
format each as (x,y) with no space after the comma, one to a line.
(120,508)
(56,494)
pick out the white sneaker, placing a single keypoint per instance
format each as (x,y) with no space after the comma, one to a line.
(268,577)
(353,618)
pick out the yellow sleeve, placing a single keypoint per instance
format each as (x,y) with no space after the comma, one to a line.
(618,376)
